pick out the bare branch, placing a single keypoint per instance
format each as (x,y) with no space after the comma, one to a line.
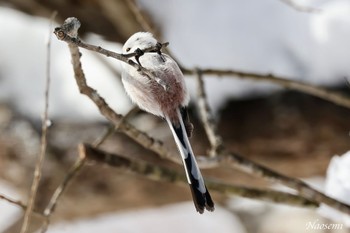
(140,17)
(319,92)
(41,157)
(19,204)
(12,201)
(50,208)
(159,173)
(113,128)
(207,117)
(234,160)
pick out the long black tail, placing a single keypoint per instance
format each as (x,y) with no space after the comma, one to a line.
(201,197)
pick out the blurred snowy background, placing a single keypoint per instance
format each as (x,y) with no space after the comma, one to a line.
(291,130)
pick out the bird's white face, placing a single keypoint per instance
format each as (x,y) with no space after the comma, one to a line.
(141,40)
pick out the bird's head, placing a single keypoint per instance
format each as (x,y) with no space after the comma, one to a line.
(140,40)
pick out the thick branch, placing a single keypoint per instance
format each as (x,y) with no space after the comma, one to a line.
(159,173)
(233,160)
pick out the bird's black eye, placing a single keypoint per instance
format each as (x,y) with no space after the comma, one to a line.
(127,49)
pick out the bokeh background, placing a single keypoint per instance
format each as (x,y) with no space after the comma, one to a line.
(290,132)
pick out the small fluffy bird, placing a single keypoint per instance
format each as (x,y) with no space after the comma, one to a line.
(168,101)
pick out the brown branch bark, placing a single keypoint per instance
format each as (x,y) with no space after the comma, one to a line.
(159,173)
(233,160)
(207,117)
(319,92)
(44,128)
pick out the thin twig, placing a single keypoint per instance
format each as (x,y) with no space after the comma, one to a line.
(140,17)
(12,201)
(319,92)
(19,204)
(41,157)
(50,208)
(73,171)
(207,117)
(112,128)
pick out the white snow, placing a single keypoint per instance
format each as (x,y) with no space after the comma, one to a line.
(338,186)
(171,219)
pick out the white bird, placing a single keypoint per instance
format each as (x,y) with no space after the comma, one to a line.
(169,103)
